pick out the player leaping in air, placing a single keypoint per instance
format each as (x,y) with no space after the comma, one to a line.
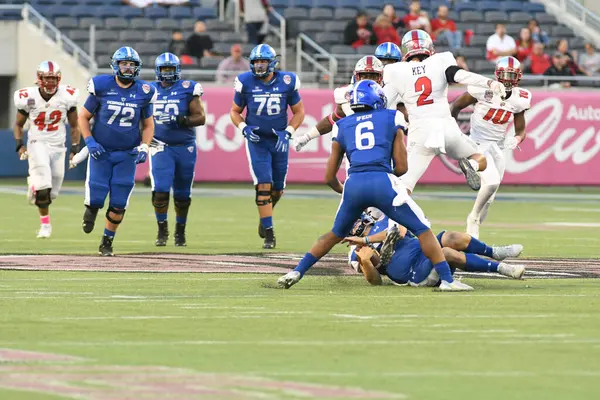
(266,95)
(48,105)
(489,122)
(119,104)
(421,84)
(177,110)
(368,67)
(372,137)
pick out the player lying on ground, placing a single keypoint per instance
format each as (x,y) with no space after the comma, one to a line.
(177,110)
(421,84)
(371,138)
(367,67)
(489,122)
(122,109)
(402,260)
(48,105)
(266,95)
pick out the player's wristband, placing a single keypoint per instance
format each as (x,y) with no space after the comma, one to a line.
(367,241)
(75,148)
(143,147)
(242,125)
(290,129)
(19,144)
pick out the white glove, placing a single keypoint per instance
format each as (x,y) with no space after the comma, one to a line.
(511,142)
(24,156)
(498,88)
(301,141)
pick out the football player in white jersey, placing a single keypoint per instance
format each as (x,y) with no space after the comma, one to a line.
(47,106)
(489,122)
(368,67)
(421,84)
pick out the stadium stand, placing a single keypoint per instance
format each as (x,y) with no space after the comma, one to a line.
(149,29)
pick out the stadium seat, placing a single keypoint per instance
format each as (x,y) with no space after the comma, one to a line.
(354,4)
(366,50)
(460,7)
(105,12)
(341,14)
(107,36)
(495,17)
(320,14)
(512,6)
(231,37)
(577,43)
(247,48)
(69,2)
(222,48)
(66,23)
(179,12)
(479,41)
(373,13)
(216,25)
(535,7)
(103,60)
(55,11)
(373,3)
(155,12)
(279,3)
(545,19)
(484,67)
(204,13)
(116,23)
(211,62)
(141,23)
(310,26)
(336,26)
(131,36)
(342,49)
(562,32)
(293,13)
(131,12)
(514,30)
(187,24)
(157,37)
(79,35)
(471,16)
(472,52)
(100,48)
(519,17)
(302,3)
(328,38)
(488,6)
(86,22)
(150,48)
(166,24)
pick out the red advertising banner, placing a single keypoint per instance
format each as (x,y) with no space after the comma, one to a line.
(562,146)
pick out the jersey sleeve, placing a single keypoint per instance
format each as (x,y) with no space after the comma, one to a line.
(91,86)
(198,90)
(72,97)
(400,122)
(447,59)
(524,99)
(92,102)
(294,95)
(477,92)
(20,99)
(148,110)
(238,97)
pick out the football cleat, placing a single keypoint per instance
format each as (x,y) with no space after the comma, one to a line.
(388,246)
(289,279)
(455,286)
(261,230)
(473,179)
(270,241)
(163,234)
(180,235)
(502,252)
(473,226)
(89,219)
(512,271)
(106,248)
(45,231)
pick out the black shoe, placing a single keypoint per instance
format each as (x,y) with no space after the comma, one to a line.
(163,233)
(106,248)
(270,241)
(180,235)
(89,219)
(473,178)
(261,230)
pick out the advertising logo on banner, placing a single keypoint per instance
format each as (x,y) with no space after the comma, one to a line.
(562,146)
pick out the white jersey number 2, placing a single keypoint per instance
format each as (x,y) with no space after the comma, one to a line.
(364,132)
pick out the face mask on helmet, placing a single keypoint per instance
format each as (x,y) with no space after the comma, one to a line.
(510,78)
(48,82)
(168,73)
(360,226)
(127,69)
(260,66)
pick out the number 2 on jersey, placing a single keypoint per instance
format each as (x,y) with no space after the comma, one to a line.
(361,135)
(423,85)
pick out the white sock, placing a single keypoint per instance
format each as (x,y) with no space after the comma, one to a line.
(474,164)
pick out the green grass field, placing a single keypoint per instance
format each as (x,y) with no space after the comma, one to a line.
(233,336)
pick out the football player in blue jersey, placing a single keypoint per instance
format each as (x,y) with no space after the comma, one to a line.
(177,110)
(119,104)
(266,94)
(372,138)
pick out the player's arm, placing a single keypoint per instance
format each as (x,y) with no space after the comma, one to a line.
(298,115)
(399,154)
(463,101)
(333,166)
(197,115)
(19,133)
(236,115)
(239,103)
(75,134)
(367,259)
(520,126)
(402,108)
(455,74)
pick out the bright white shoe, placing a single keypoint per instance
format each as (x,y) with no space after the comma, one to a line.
(289,279)
(512,271)
(502,252)
(30,192)
(473,226)
(45,231)
(455,286)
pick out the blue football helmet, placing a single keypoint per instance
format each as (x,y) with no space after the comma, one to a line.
(360,226)
(126,54)
(171,61)
(367,95)
(263,52)
(388,53)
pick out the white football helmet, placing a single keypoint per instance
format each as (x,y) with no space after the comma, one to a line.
(48,77)
(508,72)
(368,67)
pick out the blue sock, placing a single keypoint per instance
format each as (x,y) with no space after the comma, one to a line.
(161,217)
(478,247)
(307,261)
(181,220)
(443,270)
(478,264)
(108,233)
(266,222)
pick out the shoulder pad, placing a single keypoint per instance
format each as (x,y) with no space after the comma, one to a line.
(340,94)
(237,84)
(22,99)
(524,98)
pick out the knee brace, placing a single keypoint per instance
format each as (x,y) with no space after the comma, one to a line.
(262,193)
(118,211)
(161,199)
(43,198)
(182,204)
(276,196)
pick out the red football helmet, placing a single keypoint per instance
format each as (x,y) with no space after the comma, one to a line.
(508,71)
(368,67)
(48,77)
(416,42)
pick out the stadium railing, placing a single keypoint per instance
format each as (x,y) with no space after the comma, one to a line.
(281,33)
(31,15)
(578,11)
(323,54)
